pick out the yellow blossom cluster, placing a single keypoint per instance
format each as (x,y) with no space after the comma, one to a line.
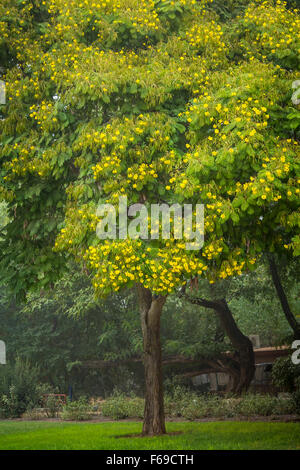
(108,164)
(207,38)
(140,175)
(277,30)
(42,112)
(118,263)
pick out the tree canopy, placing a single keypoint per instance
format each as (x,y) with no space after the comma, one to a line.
(159,101)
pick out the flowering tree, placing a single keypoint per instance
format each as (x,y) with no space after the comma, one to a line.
(161,102)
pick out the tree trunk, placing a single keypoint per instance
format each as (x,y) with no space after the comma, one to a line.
(151,309)
(241,343)
(283,298)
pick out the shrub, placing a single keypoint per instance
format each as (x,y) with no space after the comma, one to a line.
(195,409)
(11,405)
(186,404)
(191,406)
(19,389)
(284,374)
(208,406)
(171,408)
(34,414)
(135,407)
(285,406)
(177,400)
(296,397)
(52,406)
(296,401)
(120,407)
(251,405)
(79,410)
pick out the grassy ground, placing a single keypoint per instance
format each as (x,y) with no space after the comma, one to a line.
(37,435)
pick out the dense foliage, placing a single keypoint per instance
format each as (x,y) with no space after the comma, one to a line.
(19,389)
(159,101)
(286,375)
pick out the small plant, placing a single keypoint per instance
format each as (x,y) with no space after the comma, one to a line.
(53,406)
(10,404)
(79,410)
(34,414)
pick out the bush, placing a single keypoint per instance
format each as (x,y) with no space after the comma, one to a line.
(19,389)
(196,409)
(177,400)
(262,405)
(34,414)
(188,405)
(11,406)
(284,406)
(208,406)
(77,410)
(191,406)
(296,396)
(285,374)
(296,401)
(135,407)
(120,407)
(53,406)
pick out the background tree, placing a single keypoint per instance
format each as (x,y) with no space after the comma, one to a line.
(285,304)
(257,308)
(96,345)
(241,368)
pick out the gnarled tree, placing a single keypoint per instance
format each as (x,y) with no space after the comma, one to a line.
(241,368)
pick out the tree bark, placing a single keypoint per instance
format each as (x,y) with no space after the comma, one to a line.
(241,343)
(151,309)
(242,376)
(283,298)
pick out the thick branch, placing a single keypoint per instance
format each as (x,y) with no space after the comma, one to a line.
(282,297)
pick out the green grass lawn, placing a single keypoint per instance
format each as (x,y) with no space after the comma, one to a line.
(37,435)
